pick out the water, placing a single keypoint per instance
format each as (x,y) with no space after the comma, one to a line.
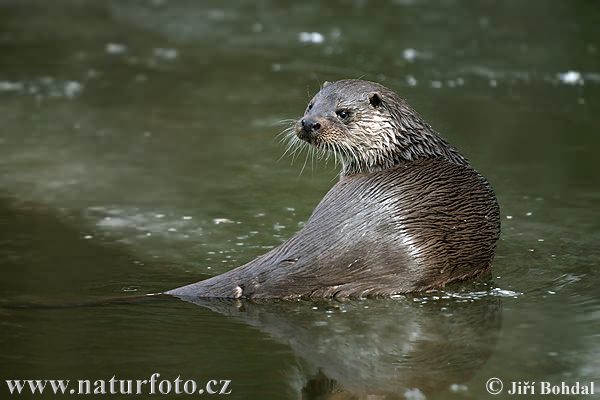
(138,152)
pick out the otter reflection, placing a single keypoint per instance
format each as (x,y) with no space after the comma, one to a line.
(378,347)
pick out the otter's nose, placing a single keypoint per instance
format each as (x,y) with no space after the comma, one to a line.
(310,126)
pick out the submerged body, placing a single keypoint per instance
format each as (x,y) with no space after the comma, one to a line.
(408,214)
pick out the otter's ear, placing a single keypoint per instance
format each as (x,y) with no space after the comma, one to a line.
(375,99)
(325,84)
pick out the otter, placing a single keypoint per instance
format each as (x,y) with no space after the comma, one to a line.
(408,214)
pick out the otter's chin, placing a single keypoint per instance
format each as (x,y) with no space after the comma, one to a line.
(308,137)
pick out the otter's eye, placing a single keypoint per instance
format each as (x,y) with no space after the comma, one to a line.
(342,114)
(310,106)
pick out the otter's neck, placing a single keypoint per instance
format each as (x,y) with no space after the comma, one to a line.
(409,140)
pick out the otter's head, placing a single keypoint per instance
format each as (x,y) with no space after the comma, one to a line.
(369,127)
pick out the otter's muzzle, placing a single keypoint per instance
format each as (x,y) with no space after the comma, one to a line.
(309,129)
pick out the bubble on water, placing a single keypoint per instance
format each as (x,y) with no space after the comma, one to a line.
(571,78)
(72,89)
(458,388)
(436,84)
(504,293)
(115,48)
(218,221)
(529,213)
(493,83)
(311,37)
(88,237)
(409,54)
(509,217)
(186,217)
(411,80)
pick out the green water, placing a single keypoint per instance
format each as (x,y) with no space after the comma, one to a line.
(138,152)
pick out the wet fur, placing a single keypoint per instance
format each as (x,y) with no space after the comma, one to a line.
(375,136)
(408,214)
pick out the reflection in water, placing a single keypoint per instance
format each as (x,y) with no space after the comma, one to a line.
(380,347)
(345,349)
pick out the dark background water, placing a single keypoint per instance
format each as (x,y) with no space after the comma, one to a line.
(138,152)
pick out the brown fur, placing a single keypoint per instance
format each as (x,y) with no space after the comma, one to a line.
(408,214)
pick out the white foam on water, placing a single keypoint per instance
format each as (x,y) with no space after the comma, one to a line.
(311,37)
(571,78)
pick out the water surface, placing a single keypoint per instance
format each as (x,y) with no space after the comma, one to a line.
(138,152)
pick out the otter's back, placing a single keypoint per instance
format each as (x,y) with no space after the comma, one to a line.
(417,226)
(440,219)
